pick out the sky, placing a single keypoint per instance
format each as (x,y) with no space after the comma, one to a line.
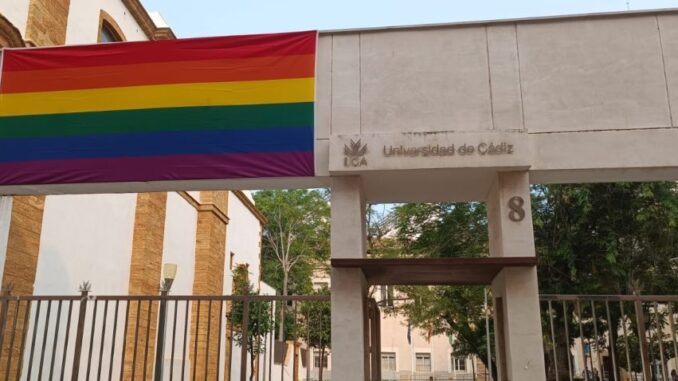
(198,18)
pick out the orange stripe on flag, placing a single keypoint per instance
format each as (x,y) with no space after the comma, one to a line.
(159,73)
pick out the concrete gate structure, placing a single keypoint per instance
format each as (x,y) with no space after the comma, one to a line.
(475,111)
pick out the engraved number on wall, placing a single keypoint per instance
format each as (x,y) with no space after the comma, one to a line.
(516,213)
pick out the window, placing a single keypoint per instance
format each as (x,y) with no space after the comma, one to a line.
(316,359)
(458,364)
(108,33)
(388,361)
(423,363)
(109,30)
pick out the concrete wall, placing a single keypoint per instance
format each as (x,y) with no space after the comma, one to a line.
(84,25)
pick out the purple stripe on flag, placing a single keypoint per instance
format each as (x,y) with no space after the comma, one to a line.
(158,168)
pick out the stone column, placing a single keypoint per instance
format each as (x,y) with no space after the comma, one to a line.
(515,290)
(349,289)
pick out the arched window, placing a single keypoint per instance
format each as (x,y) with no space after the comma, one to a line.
(108,34)
(109,31)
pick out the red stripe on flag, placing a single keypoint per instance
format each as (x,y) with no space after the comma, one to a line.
(128,53)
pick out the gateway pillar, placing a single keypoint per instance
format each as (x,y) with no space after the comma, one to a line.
(515,290)
(349,289)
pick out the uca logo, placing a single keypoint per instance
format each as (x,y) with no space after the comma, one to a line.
(354,154)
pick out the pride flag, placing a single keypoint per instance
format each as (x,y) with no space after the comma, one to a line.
(206,108)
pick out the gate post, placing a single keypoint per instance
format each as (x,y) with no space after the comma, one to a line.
(350,356)
(520,353)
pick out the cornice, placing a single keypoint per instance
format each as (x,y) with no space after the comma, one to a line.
(206,207)
(146,23)
(251,207)
(10,33)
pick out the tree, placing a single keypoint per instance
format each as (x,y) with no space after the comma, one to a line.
(590,239)
(317,317)
(445,230)
(258,324)
(296,236)
(605,239)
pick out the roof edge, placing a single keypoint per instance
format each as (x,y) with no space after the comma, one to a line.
(519,20)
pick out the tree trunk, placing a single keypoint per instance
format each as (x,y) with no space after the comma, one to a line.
(253,361)
(281,334)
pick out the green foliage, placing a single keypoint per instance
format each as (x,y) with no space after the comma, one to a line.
(602,238)
(590,239)
(317,324)
(296,238)
(259,319)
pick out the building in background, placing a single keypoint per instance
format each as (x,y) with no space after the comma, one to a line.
(408,354)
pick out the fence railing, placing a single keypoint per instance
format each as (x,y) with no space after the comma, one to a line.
(92,337)
(609,337)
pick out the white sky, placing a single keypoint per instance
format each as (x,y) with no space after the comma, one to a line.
(227,17)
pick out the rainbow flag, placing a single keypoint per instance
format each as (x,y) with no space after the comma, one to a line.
(206,108)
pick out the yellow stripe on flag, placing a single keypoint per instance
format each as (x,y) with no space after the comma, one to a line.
(159,96)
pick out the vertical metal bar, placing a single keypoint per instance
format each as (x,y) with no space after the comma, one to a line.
(672,327)
(308,346)
(56,339)
(114,338)
(148,337)
(77,350)
(183,353)
(283,342)
(597,341)
(26,323)
(487,334)
(160,340)
(102,340)
(44,339)
(270,341)
(612,347)
(66,336)
(35,333)
(207,342)
(11,341)
(221,311)
(136,341)
(174,336)
(657,317)
(124,339)
(243,341)
(581,337)
(626,337)
(91,338)
(642,338)
(195,345)
(567,340)
(553,340)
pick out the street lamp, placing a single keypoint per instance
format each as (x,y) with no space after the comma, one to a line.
(169,272)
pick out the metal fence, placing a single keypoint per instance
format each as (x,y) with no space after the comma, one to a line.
(91,337)
(609,337)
